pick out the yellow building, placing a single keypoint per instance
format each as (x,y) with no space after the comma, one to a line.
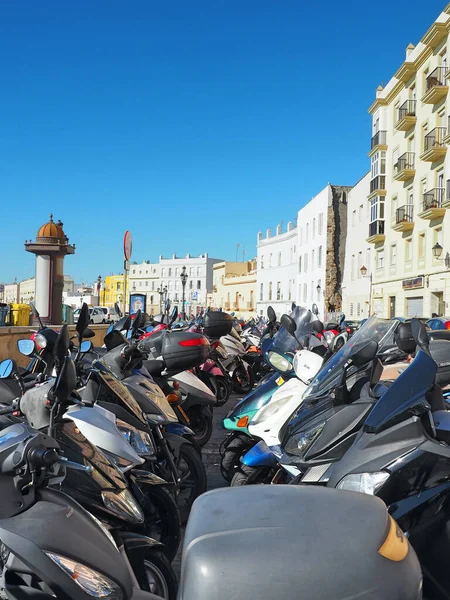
(113,291)
(235,287)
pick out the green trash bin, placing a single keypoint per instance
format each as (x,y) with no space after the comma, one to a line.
(67,314)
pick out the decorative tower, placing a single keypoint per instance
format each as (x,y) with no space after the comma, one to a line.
(50,247)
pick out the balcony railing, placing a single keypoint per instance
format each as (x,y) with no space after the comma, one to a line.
(379,139)
(436,77)
(435,138)
(407,109)
(404,214)
(405,162)
(376,228)
(379,183)
(433,199)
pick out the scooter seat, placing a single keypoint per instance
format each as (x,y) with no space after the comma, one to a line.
(154,367)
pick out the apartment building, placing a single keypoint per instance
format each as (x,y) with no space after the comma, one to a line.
(409,194)
(144,279)
(358,253)
(276,270)
(321,230)
(234,287)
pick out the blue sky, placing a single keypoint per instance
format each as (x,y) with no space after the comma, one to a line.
(193,124)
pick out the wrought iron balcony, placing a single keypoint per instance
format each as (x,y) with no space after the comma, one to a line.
(434,147)
(436,86)
(376,232)
(404,218)
(432,204)
(404,168)
(406,116)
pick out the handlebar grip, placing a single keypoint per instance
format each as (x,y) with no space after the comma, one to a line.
(127,352)
(7,410)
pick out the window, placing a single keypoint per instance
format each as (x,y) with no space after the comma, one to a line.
(170,272)
(199,284)
(270,291)
(424,133)
(358,309)
(163,272)
(408,249)
(261,292)
(146,284)
(410,197)
(351,310)
(299,264)
(394,207)
(437,236)
(312,259)
(421,249)
(305,292)
(199,271)
(354,218)
(353,267)
(301,236)
(170,286)
(151,299)
(307,232)
(177,272)
(134,271)
(153,286)
(314,228)
(380,259)
(270,260)
(279,259)
(262,262)
(361,213)
(312,291)
(320,224)
(191,271)
(278,290)
(191,284)
(393,255)
(118,287)
(368,263)
(319,256)
(305,263)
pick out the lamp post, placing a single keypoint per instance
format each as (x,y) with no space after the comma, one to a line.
(363,271)
(437,253)
(162,291)
(184,277)
(99,287)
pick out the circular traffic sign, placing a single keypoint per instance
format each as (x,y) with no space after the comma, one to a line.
(127,245)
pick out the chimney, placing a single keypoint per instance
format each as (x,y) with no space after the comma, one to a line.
(409,49)
(268,233)
(279,229)
(289,226)
(259,236)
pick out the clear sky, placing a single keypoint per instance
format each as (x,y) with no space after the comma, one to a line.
(192,123)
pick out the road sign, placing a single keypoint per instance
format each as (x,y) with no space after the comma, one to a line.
(127,245)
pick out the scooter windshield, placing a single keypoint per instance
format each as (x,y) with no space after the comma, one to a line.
(329,376)
(284,342)
(406,396)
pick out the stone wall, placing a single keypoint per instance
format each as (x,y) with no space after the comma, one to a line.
(10,335)
(335,255)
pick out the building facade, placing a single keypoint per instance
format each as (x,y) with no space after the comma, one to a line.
(358,253)
(322,230)
(409,195)
(144,279)
(113,291)
(27,290)
(276,270)
(234,288)
(10,293)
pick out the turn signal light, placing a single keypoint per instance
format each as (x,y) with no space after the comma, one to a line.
(172,398)
(175,385)
(243,422)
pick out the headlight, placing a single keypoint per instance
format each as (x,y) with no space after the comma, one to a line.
(123,505)
(90,581)
(140,441)
(367,483)
(299,443)
(40,340)
(329,337)
(278,362)
(270,410)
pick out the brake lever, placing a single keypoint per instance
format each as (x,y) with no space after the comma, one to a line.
(70,464)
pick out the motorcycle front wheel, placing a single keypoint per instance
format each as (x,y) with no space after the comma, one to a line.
(157,576)
(242,379)
(224,390)
(162,519)
(200,421)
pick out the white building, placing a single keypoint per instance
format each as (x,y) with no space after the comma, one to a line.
(144,279)
(276,270)
(199,283)
(355,286)
(10,293)
(27,290)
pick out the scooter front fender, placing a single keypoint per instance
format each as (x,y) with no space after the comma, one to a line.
(176,441)
(179,429)
(260,456)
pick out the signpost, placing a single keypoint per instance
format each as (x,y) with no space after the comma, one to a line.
(127,250)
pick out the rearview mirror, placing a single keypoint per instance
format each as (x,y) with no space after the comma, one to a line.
(314,309)
(271,315)
(62,343)
(6,368)
(341,319)
(137,320)
(293,306)
(117,309)
(26,347)
(173,316)
(317,326)
(86,346)
(67,380)
(289,324)
(83,321)
(365,354)
(123,324)
(88,333)
(110,328)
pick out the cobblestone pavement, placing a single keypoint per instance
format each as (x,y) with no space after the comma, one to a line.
(211,459)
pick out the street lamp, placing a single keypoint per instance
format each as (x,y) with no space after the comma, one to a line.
(99,287)
(184,277)
(437,253)
(363,271)
(318,289)
(162,291)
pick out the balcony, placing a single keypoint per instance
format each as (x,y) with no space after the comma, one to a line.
(376,232)
(405,167)
(446,200)
(378,142)
(446,139)
(434,147)
(432,204)
(406,116)
(378,186)
(404,218)
(436,86)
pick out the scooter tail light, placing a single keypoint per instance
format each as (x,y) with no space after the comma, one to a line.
(195,342)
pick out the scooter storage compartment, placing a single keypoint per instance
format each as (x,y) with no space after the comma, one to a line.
(440,351)
(182,351)
(217,324)
(404,339)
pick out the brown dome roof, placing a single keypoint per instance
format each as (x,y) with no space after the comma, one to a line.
(51,230)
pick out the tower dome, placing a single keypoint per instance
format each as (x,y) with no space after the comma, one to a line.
(50,232)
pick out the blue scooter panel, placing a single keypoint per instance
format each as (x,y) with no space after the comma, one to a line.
(260,456)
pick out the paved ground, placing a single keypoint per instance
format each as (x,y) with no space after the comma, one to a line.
(211,459)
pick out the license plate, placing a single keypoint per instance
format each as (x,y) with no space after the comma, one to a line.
(279,381)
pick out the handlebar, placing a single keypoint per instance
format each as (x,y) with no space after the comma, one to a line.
(46,457)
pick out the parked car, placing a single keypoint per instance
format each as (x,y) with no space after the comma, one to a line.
(439,323)
(96,315)
(110,314)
